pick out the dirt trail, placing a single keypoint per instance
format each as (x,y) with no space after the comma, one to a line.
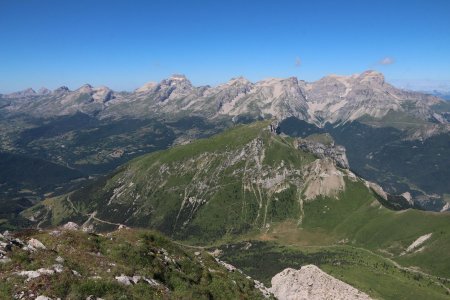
(92,216)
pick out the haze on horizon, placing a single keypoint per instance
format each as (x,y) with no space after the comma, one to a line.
(52,43)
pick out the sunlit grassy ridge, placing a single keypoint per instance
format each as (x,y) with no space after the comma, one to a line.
(211,192)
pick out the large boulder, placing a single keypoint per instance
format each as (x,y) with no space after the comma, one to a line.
(311,283)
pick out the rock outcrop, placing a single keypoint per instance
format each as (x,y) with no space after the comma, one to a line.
(71,226)
(274,127)
(8,243)
(331,150)
(323,179)
(311,283)
(395,202)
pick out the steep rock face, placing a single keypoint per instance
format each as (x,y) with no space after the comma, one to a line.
(345,98)
(323,179)
(332,99)
(333,151)
(175,87)
(279,98)
(311,283)
(225,96)
(395,202)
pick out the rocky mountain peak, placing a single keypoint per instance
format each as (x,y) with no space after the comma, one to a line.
(61,89)
(238,81)
(29,91)
(332,78)
(279,82)
(175,87)
(178,77)
(44,91)
(293,79)
(178,81)
(146,87)
(102,94)
(332,99)
(102,88)
(371,77)
(85,88)
(25,93)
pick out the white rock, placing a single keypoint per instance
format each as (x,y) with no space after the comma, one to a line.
(46,271)
(152,282)
(135,279)
(229,267)
(58,268)
(88,229)
(59,259)
(34,274)
(408,197)
(92,297)
(446,207)
(71,226)
(419,241)
(43,298)
(34,243)
(124,279)
(311,283)
(121,227)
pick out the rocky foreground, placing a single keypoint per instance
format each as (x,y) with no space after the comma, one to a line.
(67,263)
(311,283)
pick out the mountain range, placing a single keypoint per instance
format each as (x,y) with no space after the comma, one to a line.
(257,178)
(333,99)
(396,138)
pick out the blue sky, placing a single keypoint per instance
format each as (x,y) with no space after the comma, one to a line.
(123,44)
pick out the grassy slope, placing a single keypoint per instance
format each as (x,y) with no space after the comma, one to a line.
(358,241)
(357,219)
(186,275)
(366,271)
(230,208)
(349,238)
(365,223)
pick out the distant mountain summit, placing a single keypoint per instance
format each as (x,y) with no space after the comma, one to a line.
(332,99)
